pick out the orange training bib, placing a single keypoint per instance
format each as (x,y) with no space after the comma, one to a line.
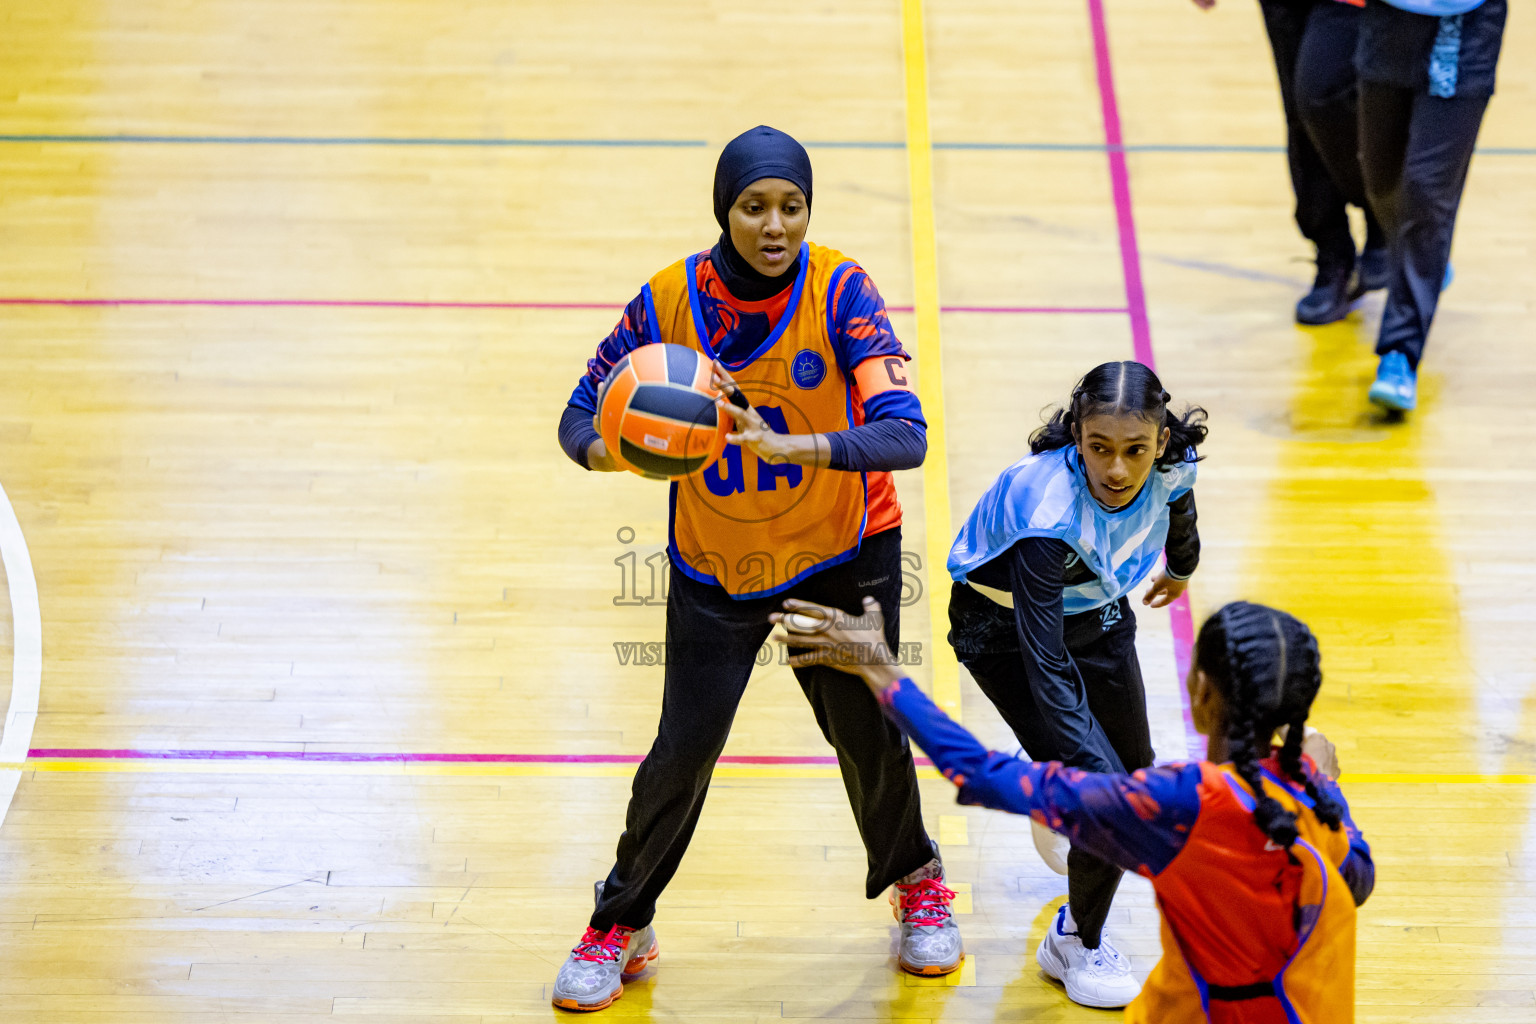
(752,527)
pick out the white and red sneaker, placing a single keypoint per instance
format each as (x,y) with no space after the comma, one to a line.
(593,976)
(930,938)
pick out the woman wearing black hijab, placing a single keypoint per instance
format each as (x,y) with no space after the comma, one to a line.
(801,505)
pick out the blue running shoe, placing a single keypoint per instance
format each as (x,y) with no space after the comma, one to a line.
(1396,387)
(1450,275)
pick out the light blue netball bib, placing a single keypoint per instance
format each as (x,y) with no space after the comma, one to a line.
(1436,8)
(1047,495)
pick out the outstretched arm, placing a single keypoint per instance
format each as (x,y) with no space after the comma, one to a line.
(1139,821)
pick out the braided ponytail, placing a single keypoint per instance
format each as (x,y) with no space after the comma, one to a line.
(1266,665)
(1324,806)
(1245,635)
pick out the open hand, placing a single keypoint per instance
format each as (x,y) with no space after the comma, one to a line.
(839,640)
(1322,752)
(751,431)
(598,459)
(1164,591)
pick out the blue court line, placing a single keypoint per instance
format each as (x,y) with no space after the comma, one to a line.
(856,144)
(515,143)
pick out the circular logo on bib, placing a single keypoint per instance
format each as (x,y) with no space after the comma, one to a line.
(808,369)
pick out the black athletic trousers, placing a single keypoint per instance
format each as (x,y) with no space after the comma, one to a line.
(1424,84)
(712,644)
(1102,644)
(1314,47)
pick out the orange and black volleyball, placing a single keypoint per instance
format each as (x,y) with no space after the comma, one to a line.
(656,412)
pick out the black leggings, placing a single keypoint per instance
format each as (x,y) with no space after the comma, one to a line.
(1102,644)
(712,641)
(1313,42)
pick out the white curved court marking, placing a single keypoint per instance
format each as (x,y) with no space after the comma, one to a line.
(27,651)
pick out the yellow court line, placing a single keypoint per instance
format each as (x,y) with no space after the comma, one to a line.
(109,766)
(1431,779)
(930,375)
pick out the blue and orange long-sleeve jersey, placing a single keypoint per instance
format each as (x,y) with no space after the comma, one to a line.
(860,330)
(1237,909)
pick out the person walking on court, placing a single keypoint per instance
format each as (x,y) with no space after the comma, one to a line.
(1313,42)
(1040,613)
(1426,71)
(1252,854)
(801,504)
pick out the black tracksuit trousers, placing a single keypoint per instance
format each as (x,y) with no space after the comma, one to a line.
(712,644)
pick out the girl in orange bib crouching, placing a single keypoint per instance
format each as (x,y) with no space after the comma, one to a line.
(1256,864)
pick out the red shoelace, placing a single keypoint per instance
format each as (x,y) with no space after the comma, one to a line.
(602,947)
(925,903)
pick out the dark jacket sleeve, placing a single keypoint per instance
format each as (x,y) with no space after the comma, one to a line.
(1183,546)
(880,445)
(894,434)
(576,430)
(1139,822)
(577,433)
(1358,869)
(1036,568)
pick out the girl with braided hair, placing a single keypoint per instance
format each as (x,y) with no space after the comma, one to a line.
(1256,864)
(1041,614)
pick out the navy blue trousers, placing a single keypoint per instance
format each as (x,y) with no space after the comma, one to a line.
(1424,85)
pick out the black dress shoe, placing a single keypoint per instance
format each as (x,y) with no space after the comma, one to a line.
(1329,298)
(1374,270)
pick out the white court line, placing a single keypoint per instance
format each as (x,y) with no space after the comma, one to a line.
(27,652)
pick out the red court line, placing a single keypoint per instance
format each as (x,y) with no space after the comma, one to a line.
(360,757)
(1181,618)
(1019,309)
(1120,184)
(323,303)
(392,304)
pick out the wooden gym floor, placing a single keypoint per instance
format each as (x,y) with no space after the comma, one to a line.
(291,297)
